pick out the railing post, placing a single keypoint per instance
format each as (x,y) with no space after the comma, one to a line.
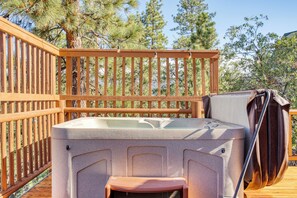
(61,104)
(196,109)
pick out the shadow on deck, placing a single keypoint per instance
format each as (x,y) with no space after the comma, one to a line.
(286,188)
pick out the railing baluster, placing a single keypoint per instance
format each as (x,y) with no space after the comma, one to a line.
(123,82)
(150,84)
(4,150)
(168,82)
(78,69)
(105,80)
(114,81)
(186,82)
(96,73)
(141,81)
(203,76)
(132,81)
(30,140)
(25,142)
(40,129)
(11,146)
(159,81)
(88,80)
(176,83)
(35,139)
(10,65)
(18,145)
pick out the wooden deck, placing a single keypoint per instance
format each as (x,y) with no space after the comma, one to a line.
(286,188)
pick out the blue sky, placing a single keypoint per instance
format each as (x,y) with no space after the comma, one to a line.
(282,15)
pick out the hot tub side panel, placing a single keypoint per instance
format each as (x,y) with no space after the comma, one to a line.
(84,169)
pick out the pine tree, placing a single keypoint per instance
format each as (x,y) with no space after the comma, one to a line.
(76,23)
(154,23)
(195,25)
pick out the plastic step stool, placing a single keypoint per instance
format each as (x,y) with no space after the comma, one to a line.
(146,185)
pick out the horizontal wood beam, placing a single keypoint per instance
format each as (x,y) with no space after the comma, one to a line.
(213,54)
(133,98)
(126,110)
(28,97)
(293,112)
(28,114)
(14,30)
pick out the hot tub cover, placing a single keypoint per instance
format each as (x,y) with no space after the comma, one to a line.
(270,155)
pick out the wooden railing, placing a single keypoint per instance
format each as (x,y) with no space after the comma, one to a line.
(292,122)
(136,82)
(28,105)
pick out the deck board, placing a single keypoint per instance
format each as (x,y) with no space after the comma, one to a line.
(286,188)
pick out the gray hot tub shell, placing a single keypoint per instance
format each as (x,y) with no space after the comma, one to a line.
(86,151)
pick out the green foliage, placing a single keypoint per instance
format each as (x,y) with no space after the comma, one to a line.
(77,23)
(195,26)
(252,60)
(153,22)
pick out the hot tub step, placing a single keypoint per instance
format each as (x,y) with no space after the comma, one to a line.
(146,185)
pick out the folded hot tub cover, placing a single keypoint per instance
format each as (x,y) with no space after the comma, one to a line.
(270,156)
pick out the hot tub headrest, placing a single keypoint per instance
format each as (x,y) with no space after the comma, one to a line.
(231,107)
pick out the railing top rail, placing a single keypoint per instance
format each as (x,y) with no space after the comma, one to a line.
(12,29)
(214,54)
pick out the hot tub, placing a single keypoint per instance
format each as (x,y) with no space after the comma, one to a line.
(86,151)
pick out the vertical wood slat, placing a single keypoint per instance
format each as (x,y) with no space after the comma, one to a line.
(25,142)
(44,139)
(159,80)
(34,81)
(88,80)
(114,81)
(18,66)
(176,82)
(216,75)
(68,83)
(54,70)
(150,84)
(10,65)
(11,146)
(30,140)
(186,82)
(46,77)
(78,69)
(96,81)
(40,139)
(24,82)
(123,81)
(29,69)
(3,150)
(203,76)
(18,145)
(3,49)
(43,66)
(60,75)
(141,81)
(36,153)
(38,80)
(168,82)
(3,61)
(49,121)
(105,80)
(50,68)
(211,76)
(132,81)
(194,77)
